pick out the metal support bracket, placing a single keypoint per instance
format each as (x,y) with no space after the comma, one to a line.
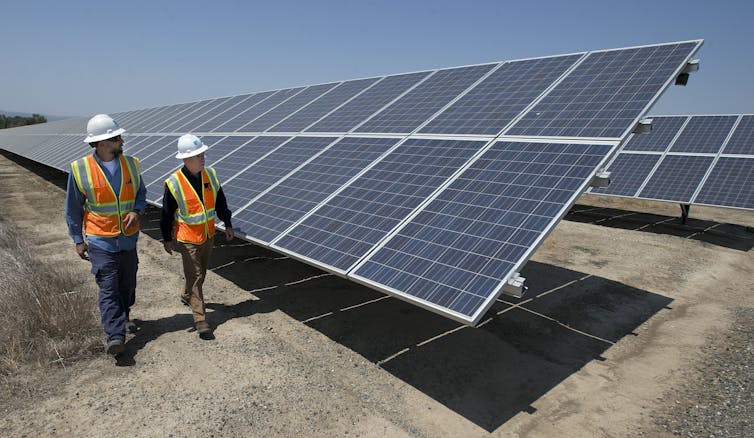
(515,286)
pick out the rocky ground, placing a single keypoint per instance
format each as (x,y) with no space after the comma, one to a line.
(631,326)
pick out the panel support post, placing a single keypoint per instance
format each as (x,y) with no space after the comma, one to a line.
(685,208)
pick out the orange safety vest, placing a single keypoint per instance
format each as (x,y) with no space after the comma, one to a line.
(194,219)
(103,211)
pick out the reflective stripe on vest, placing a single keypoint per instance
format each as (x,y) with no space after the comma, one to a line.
(194,219)
(103,211)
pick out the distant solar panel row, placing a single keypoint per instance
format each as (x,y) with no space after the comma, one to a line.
(433,186)
(690,160)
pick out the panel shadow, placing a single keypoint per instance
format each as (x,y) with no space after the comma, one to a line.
(731,236)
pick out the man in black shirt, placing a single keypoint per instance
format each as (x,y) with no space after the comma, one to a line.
(193,198)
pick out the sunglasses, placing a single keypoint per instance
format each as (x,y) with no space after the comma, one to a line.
(115,139)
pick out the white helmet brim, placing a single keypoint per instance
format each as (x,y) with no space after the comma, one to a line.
(188,154)
(105,136)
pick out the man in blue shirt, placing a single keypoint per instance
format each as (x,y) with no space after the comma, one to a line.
(104,200)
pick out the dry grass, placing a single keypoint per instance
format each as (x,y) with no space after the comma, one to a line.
(48,314)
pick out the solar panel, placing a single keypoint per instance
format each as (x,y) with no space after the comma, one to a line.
(408,112)
(367,103)
(455,254)
(742,140)
(730,183)
(704,134)
(251,113)
(350,186)
(285,109)
(344,229)
(628,173)
(309,114)
(279,208)
(601,97)
(664,131)
(262,173)
(677,178)
(495,102)
(706,140)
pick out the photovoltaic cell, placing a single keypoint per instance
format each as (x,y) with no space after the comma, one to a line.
(677,178)
(317,109)
(730,184)
(704,134)
(287,108)
(351,223)
(195,116)
(257,110)
(498,99)
(289,201)
(605,94)
(455,254)
(664,130)
(367,103)
(228,110)
(628,173)
(413,109)
(268,170)
(742,140)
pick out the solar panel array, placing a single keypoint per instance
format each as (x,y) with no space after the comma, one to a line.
(433,186)
(703,160)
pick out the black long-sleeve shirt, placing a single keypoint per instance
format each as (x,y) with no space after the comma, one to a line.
(170,205)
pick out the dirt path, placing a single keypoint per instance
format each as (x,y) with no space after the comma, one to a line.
(613,322)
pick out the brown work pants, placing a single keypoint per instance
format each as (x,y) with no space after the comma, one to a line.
(195,262)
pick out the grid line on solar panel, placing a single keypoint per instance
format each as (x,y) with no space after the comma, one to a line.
(321,107)
(367,103)
(628,173)
(742,140)
(275,211)
(415,107)
(270,168)
(74,149)
(729,184)
(196,112)
(274,99)
(344,229)
(676,178)
(456,253)
(704,134)
(606,93)
(148,124)
(180,112)
(277,114)
(228,110)
(499,98)
(664,131)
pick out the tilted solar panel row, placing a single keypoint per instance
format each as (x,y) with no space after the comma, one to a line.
(704,160)
(433,186)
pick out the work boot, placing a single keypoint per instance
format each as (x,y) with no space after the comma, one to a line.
(204,330)
(115,347)
(131,327)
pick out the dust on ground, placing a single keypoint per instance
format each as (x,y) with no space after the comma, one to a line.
(620,316)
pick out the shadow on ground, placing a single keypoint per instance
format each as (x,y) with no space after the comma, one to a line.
(732,236)
(522,348)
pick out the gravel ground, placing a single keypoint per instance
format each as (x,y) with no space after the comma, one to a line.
(716,399)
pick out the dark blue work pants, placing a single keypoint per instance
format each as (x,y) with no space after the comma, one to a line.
(115,273)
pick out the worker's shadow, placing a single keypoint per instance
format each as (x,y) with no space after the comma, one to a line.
(150,330)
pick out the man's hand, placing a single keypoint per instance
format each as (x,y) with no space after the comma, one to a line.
(229,234)
(81,250)
(132,219)
(169,247)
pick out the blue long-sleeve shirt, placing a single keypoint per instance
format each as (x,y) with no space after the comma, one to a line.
(74,212)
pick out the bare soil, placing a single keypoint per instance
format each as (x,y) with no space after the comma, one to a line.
(622,310)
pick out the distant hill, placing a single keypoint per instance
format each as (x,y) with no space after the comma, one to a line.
(50,118)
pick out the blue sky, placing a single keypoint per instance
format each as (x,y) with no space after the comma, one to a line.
(79,58)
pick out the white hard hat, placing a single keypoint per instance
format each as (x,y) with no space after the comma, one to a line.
(190,145)
(102,127)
